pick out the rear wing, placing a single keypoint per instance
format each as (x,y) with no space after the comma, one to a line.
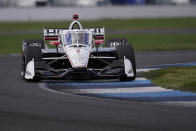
(52,34)
(99,33)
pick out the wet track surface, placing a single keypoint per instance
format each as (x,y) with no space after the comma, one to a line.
(26,107)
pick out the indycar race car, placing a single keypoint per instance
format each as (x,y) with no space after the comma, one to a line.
(78,53)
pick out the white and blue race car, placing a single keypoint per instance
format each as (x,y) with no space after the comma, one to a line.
(78,54)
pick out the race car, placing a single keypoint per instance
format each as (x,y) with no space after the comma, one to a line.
(77,53)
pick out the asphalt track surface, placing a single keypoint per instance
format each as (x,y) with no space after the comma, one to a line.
(26,107)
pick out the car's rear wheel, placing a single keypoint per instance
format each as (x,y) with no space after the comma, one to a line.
(128,52)
(115,42)
(31,50)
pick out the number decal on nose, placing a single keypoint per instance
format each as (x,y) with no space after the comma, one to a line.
(78,51)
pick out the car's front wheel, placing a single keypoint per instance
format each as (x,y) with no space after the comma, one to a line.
(31,51)
(127,51)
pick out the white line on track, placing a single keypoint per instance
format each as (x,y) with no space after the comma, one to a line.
(146,69)
(141,78)
(171,64)
(119,90)
(178,103)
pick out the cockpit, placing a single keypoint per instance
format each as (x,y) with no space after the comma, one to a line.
(75,38)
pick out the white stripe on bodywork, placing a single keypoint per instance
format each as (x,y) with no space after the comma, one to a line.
(30,70)
(128,67)
(119,90)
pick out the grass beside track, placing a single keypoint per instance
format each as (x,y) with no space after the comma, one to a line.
(177,78)
(160,42)
(141,42)
(153,23)
(13,43)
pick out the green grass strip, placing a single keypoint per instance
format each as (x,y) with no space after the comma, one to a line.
(159,42)
(13,43)
(177,78)
(146,42)
(141,42)
(145,23)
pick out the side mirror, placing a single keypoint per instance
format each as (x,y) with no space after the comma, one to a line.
(54,42)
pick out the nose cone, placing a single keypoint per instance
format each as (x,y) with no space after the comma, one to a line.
(78,57)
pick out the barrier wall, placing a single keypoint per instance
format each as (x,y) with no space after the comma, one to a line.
(64,13)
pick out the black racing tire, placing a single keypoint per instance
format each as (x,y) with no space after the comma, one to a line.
(128,52)
(32,49)
(115,42)
(41,42)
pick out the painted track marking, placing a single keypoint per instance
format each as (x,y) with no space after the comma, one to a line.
(141,89)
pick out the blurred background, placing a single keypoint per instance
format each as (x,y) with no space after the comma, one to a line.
(41,3)
(149,25)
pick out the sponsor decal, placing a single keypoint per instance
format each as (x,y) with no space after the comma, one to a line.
(35,44)
(113,44)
